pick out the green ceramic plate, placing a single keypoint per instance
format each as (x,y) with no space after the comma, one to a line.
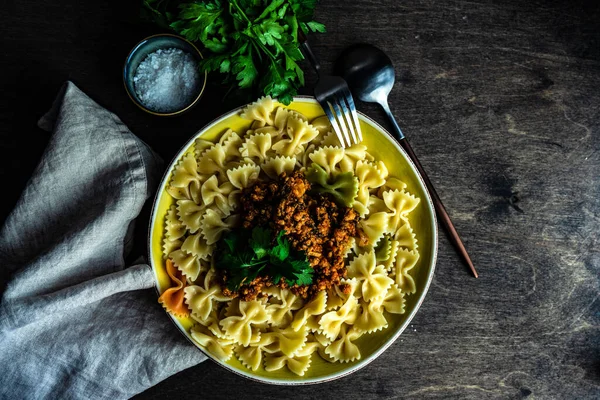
(381,145)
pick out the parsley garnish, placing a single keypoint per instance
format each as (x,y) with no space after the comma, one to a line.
(253,43)
(245,255)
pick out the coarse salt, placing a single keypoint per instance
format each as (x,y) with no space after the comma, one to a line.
(167,80)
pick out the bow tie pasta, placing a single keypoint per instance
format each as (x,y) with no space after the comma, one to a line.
(280,326)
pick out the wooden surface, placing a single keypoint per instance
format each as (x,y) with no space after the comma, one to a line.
(501,102)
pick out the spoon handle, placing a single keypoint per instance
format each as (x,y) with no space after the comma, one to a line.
(439,207)
(397,131)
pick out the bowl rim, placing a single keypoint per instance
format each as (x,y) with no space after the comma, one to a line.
(139,104)
(359,364)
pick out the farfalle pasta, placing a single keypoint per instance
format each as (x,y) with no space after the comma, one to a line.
(172,299)
(275,166)
(187,263)
(212,192)
(280,329)
(242,176)
(186,180)
(256,146)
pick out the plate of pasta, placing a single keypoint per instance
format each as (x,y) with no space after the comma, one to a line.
(284,257)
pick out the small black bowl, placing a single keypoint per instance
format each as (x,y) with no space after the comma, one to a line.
(150,45)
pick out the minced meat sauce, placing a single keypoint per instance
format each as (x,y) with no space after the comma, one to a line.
(313,223)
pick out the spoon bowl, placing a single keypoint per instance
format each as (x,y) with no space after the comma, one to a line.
(368,71)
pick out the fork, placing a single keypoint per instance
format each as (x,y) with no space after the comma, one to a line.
(334,96)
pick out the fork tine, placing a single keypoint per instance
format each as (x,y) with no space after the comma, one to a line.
(340,118)
(350,100)
(348,120)
(327,108)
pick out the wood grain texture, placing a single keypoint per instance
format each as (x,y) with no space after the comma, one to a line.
(501,102)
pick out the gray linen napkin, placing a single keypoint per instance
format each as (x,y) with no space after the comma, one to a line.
(75,321)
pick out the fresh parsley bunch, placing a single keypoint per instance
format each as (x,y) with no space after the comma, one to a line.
(253,43)
(245,255)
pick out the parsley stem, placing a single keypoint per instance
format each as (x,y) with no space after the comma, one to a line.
(263,47)
(236,5)
(253,42)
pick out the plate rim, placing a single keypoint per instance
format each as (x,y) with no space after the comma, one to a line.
(361,363)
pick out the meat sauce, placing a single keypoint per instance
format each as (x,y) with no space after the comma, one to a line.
(313,223)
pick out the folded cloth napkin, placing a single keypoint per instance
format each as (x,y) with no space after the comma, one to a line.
(75,321)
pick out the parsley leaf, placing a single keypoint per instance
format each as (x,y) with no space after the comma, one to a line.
(269,32)
(304,278)
(302,271)
(282,250)
(252,43)
(260,241)
(243,256)
(233,241)
(244,69)
(316,26)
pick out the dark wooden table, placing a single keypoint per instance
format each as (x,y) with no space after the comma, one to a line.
(501,101)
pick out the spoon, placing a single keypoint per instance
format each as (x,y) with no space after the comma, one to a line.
(370,75)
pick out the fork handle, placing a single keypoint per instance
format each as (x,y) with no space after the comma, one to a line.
(308,53)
